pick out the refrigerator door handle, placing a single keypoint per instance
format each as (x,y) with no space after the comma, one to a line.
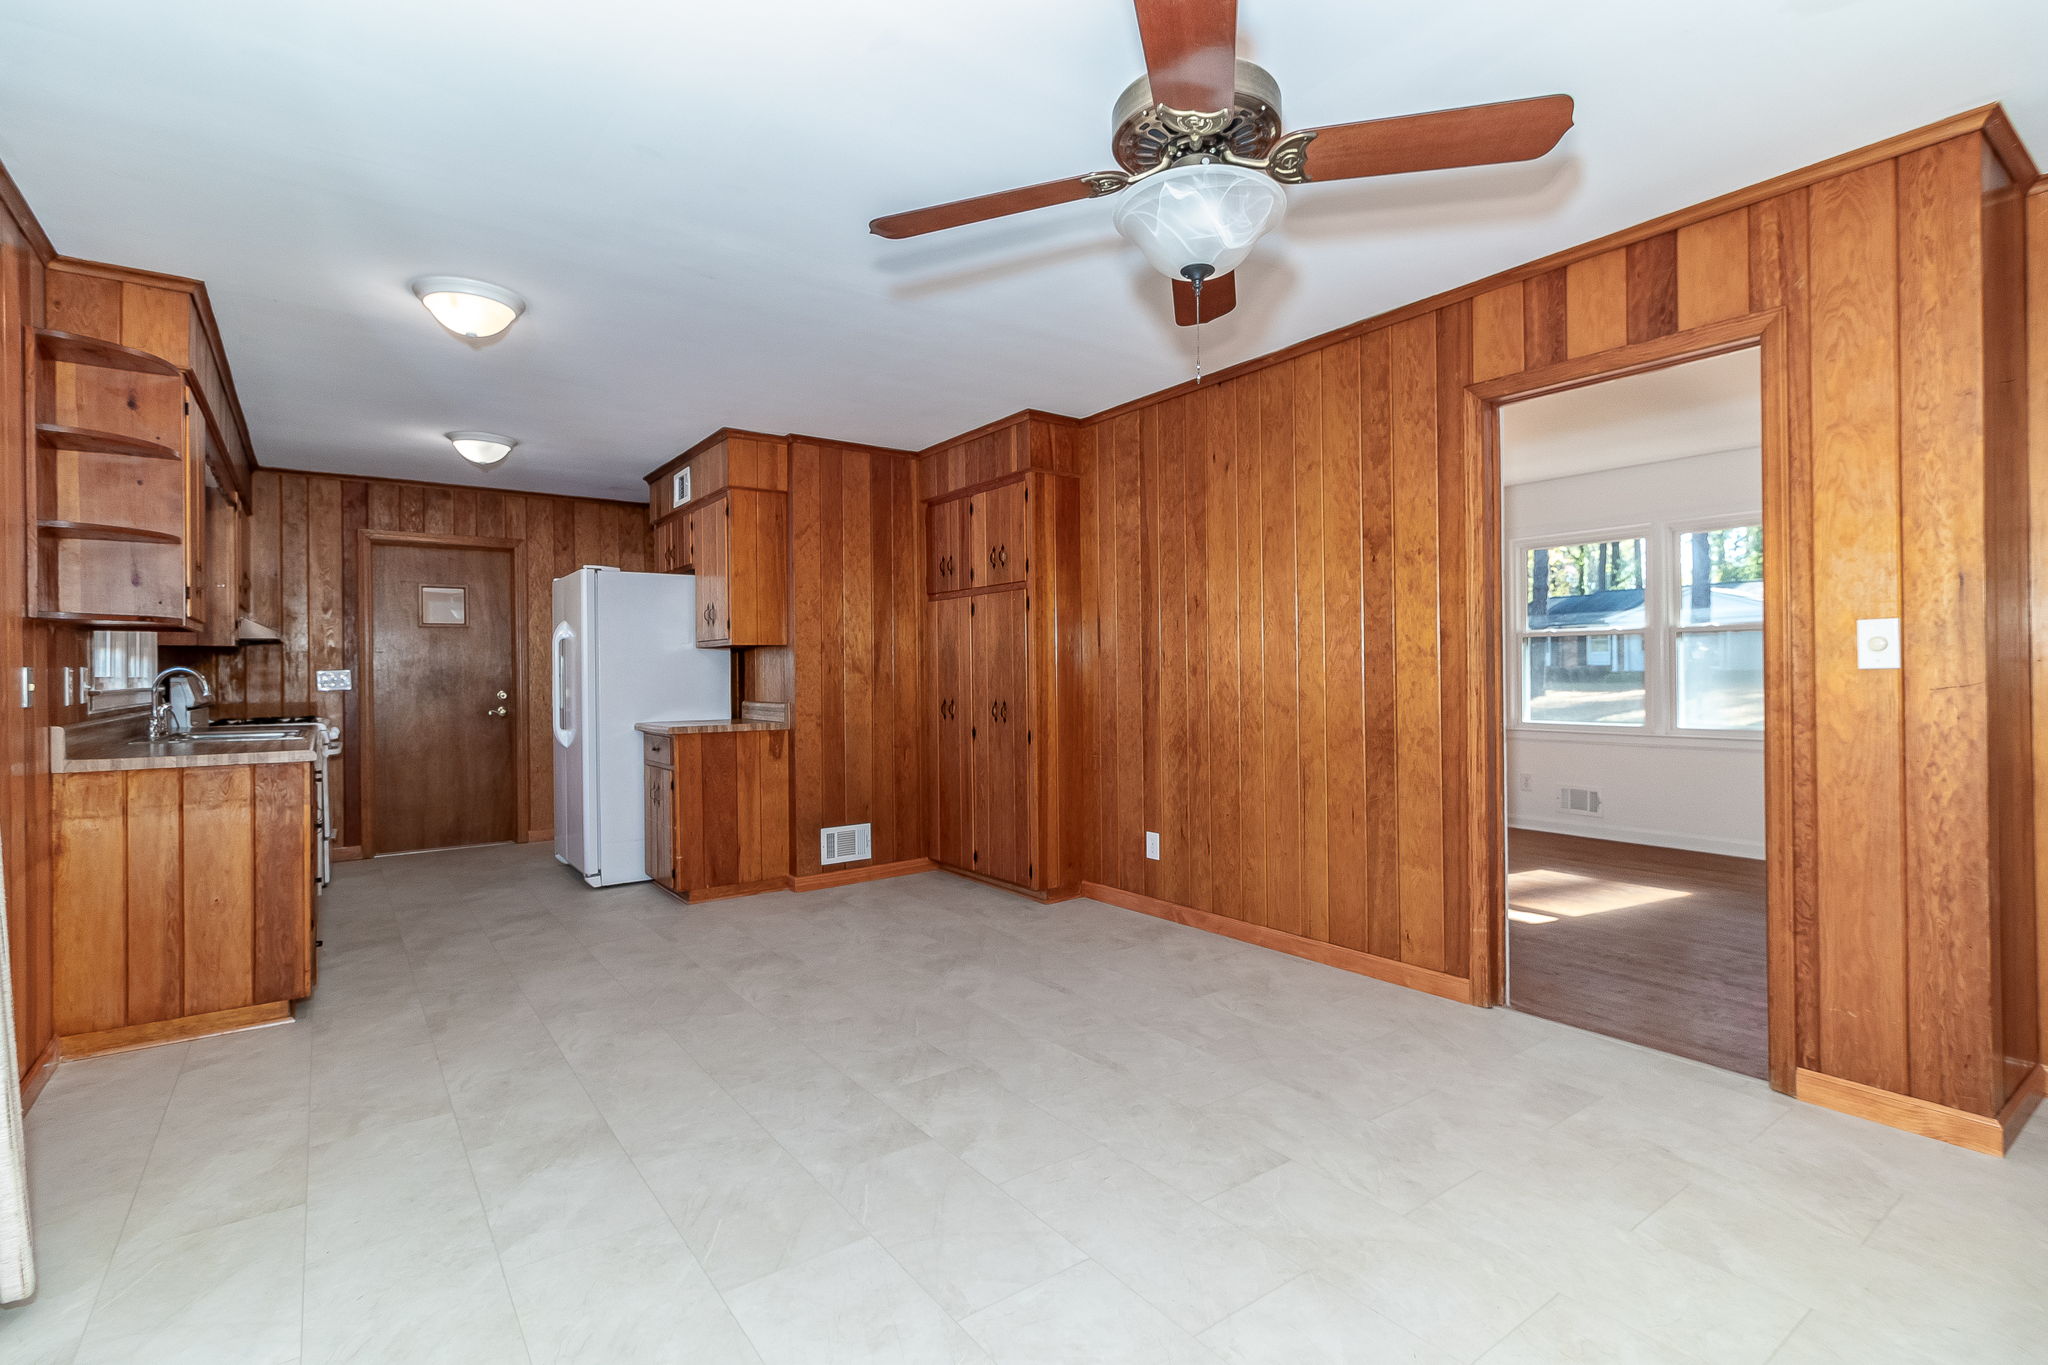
(564,715)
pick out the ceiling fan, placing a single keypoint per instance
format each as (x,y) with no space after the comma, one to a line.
(1203,156)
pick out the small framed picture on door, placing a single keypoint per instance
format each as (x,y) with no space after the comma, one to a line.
(442,607)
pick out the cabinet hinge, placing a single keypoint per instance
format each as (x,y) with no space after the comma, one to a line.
(188,409)
(970,608)
(1030,871)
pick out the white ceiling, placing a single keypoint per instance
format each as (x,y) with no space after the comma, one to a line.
(1696,408)
(681,190)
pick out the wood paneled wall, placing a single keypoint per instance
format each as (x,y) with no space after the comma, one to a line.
(1293,574)
(856,599)
(303,577)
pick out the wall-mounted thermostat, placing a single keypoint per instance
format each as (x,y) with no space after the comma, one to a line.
(333,680)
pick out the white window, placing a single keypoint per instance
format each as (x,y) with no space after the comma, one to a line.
(123,662)
(1643,630)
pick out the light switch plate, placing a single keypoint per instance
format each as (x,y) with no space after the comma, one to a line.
(333,680)
(1877,642)
(1152,845)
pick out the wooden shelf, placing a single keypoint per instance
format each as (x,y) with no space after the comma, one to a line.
(78,350)
(85,530)
(102,442)
(115,622)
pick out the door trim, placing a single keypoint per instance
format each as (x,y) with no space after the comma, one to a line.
(367,542)
(1787,552)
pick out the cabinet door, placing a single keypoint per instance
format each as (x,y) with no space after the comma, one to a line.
(713,562)
(198,458)
(999,541)
(1001,662)
(952,703)
(945,525)
(668,545)
(756,549)
(661,825)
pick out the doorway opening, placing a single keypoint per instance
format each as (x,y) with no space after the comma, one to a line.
(440,717)
(1633,587)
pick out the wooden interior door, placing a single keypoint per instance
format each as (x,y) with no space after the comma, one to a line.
(998,525)
(952,706)
(1001,719)
(945,543)
(711,554)
(443,706)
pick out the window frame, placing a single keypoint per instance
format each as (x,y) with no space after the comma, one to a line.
(1662,630)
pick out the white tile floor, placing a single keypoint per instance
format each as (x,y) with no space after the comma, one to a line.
(926,1121)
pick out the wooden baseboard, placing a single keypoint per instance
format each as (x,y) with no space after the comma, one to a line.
(345,853)
(699,895)
(1051,896)
(847,876)
(174,1030)
(38,1075)
(1978,1132)
(1329,954)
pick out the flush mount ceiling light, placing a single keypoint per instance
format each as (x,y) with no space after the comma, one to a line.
(481,447)
(469,308)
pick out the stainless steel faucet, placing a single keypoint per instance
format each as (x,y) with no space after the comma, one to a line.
(169,716)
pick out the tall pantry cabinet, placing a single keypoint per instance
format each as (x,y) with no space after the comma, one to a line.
(1002,559)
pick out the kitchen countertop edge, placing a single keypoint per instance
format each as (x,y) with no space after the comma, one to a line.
(707,727)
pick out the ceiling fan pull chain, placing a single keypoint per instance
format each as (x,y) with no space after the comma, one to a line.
(1198,330)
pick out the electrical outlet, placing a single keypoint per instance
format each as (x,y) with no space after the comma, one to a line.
(1152,845)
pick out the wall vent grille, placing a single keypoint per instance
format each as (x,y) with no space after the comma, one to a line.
(845,843)
(1578,800)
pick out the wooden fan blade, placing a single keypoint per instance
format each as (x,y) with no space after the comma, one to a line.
(1517,130)
(1219,296)
(939,216)
(1190,52)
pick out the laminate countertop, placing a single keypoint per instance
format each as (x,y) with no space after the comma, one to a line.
(103,748)
(707,727)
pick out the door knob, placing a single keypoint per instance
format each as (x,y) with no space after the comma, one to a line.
(495,711)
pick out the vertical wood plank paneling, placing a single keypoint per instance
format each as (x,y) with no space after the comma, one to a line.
(1713,269)
(295,683)
(1379,628)
(1346,878)
(155,895)
(1543,331)
(1457,689)
(1280,755)
(1312,723)
(1859,746)
(1129,669)
(1653,287)
(1499,332)
(812,667)
(1418,740)
(1222,839)
(1596,303)
(219,866)
(1944,569)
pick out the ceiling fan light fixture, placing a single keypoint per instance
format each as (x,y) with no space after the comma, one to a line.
(1199,215)
(469,308)
(481,447)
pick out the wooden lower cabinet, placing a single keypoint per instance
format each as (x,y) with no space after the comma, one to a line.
(718,812)
(180,893)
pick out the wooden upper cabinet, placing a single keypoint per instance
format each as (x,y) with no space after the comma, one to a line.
(134,419)
(998,534)
(721,512)
(946,546)
(979,541)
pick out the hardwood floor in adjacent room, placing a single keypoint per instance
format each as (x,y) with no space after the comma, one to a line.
(1658,946)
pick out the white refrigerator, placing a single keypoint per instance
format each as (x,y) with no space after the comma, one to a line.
(623,652)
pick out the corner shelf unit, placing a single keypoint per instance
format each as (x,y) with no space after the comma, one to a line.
(113,486)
